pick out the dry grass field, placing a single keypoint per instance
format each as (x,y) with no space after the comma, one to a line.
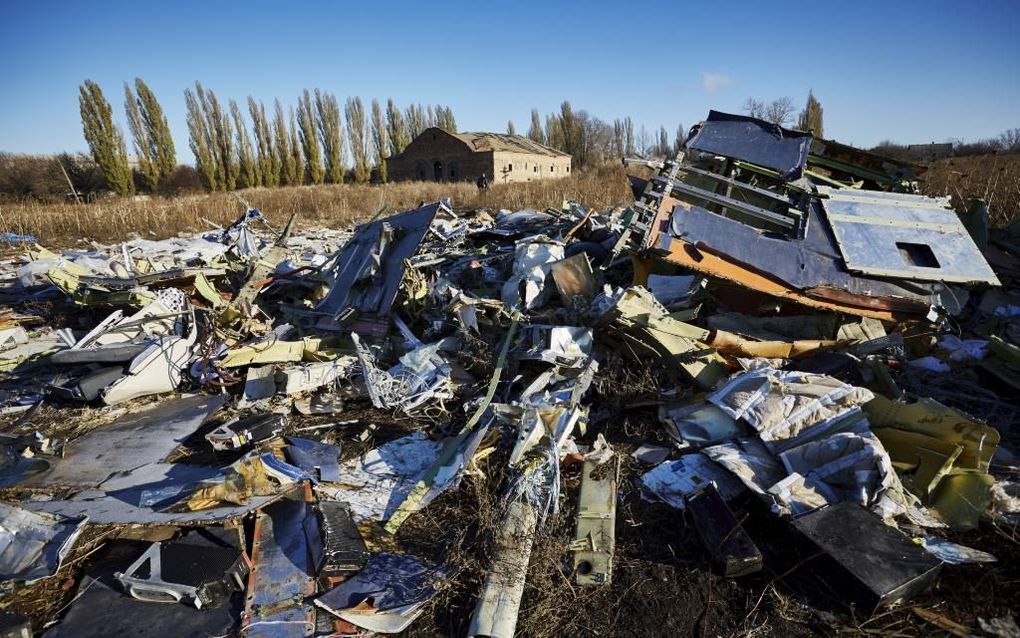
(996,178)
(115,219)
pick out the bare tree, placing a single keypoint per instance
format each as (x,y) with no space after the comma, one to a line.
(778,111)
(1009,140)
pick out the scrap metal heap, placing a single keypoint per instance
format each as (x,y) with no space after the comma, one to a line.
(827,351)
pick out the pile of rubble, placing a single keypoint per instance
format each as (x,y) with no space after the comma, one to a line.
(830,353)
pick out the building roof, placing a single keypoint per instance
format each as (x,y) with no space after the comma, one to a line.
(485,142)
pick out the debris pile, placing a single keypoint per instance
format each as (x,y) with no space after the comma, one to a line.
(244,424)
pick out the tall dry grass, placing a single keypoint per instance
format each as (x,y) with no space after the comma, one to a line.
(337,206)
(994,178)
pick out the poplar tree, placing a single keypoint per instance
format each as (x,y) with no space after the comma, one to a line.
(444,119)
(811,117)
(568,124)
(104,138)
(535,131)
(153,143)
(396,129)
(663,145)
(309,138)
(269,164)
(380,141)
(415,116)
(247,167)
(159,130)
(554,132)
(220,138)
(354,110)
(200,139)
(143,146)
(281,139)
(331,134)
(510,130)
(295,152)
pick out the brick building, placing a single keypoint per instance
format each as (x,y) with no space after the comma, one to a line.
(437,155)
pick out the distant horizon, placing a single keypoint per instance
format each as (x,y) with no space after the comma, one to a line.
(913,73)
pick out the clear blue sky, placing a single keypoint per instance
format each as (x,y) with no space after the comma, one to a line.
(907,71)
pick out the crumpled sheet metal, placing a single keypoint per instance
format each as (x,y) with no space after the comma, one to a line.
(386,596)
(376,483)
(156,370)
(254,475)
(561,345)
(153,320)
(417,385)
(937,427)
(944,455)
(368,270)
(533,261)
(276,351)
(636,313)
(143,496)
(33,545)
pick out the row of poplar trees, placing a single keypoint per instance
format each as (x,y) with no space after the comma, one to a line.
(307,145)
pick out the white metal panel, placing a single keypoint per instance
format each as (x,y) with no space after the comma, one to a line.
(905,236)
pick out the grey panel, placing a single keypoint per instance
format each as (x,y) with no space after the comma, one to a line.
(136,439)
(900,235)
(755,141)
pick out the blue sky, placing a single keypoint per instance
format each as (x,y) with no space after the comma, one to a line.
(907,71)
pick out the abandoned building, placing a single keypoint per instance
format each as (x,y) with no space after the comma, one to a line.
(438,155)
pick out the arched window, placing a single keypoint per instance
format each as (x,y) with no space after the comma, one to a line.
(437,170)
(419,171)
(454,172)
